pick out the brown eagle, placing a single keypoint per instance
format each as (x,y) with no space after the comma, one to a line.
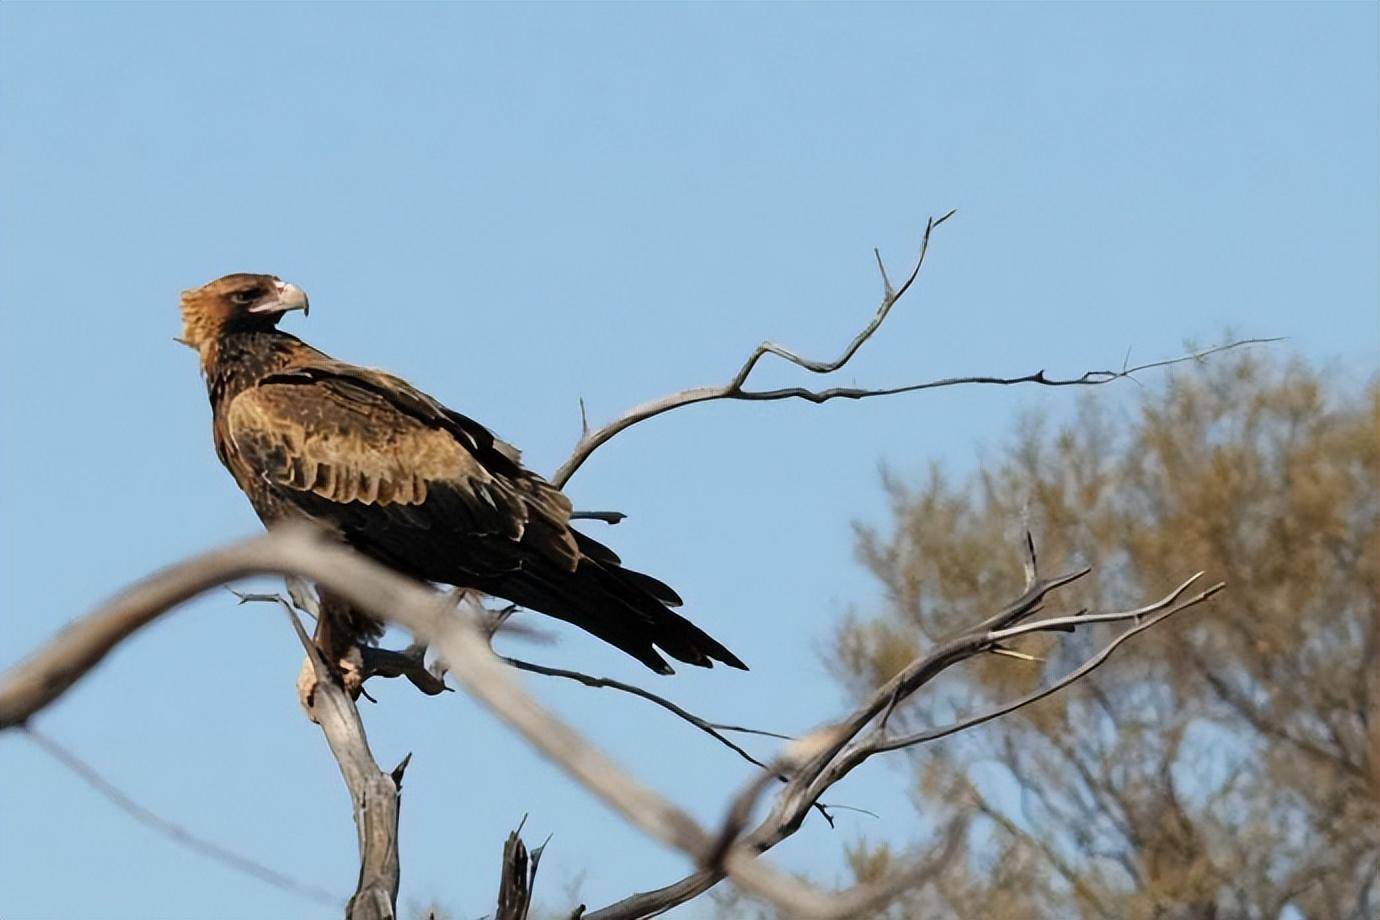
(405,480)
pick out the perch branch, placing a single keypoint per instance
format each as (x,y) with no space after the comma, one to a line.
(608,517)
(290,550)
(462,644)
(375,661)
(374,794)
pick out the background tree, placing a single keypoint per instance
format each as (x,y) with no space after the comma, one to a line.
(1230,767)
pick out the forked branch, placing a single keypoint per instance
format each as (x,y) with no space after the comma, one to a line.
(736,388)
(592,440)
(864,734)
(813,764)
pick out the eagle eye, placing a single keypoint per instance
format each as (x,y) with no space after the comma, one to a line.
(243,298)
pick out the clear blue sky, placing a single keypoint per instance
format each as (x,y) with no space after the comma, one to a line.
(516,206)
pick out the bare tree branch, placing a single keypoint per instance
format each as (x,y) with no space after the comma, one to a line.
(590,441)
(608,517)
(713,729)
(464,646)
(865,898)
(172,830)
(372,587)
(1087,667)
(409,663)
(736,387)
(375,794)
(518,876)
(849,743)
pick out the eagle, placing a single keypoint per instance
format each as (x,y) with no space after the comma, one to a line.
(401,478)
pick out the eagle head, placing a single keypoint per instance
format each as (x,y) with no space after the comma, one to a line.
(236,302)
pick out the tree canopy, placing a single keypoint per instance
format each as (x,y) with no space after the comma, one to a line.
(1230,765)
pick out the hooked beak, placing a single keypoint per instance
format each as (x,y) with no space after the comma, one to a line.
(290,297)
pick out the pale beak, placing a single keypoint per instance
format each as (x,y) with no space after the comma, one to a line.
(290,297)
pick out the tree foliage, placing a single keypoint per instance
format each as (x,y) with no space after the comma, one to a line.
(1229,765)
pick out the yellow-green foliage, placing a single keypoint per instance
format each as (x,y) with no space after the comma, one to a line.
(1224,764)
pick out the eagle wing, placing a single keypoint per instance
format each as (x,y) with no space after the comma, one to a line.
(434,493)
(339,441)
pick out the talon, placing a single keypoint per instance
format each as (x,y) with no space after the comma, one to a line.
(351,667)
(348,672)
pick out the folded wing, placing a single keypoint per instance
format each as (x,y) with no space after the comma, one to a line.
(435,494)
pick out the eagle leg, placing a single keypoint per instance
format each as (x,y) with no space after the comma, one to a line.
(337,636)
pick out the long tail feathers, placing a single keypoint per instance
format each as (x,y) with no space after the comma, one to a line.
(626,609)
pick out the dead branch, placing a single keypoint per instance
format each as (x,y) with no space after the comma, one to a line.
(818,762)
(371,587)
(518,876)
(375,662)
(375,795)
(173,831)
(736,387)
(409,663)
(865,733)
(608,517)
(590,441)
(713,729)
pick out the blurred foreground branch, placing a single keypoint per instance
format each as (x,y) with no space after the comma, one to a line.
(813,763)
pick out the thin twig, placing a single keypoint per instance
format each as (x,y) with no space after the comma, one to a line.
(863,899)
(173,831)
(1078,673)
(608,517)
(712,729)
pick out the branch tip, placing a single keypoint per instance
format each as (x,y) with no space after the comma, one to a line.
(887,290)
(398,771)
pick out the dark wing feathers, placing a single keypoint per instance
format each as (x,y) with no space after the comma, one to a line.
(597,551)
(345,445)
(434,493)
(605,602)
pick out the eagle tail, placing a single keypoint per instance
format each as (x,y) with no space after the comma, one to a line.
(626,609)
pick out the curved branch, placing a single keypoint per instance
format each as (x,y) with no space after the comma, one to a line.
(372,587)
(736,387)
(173,831)
(294,551)
(1078,673)
(713,729)
(590,441)
(846,746)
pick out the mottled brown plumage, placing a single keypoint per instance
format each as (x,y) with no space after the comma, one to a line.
(407,481)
